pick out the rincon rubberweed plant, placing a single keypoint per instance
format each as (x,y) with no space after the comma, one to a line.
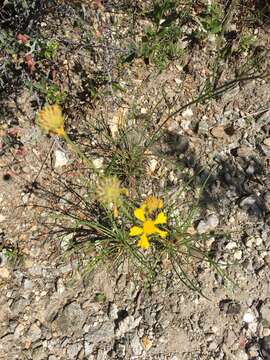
(146,213)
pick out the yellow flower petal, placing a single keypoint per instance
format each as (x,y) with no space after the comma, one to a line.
(161,218)
(143,243)
(162,233)
(135,230)
(139,214)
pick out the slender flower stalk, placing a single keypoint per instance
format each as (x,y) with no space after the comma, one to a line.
(76,149)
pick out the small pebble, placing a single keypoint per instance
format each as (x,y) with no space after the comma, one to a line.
(238,255)
(218,132)
(27,284)
(60,159)
(136,345)
(187,113)
(152,164)
(245,151)
(248,201)
(267,142)
(210,224)
(248,317)
(266,332)
(265,311)
(146,342)
(267,259)
(185,124)
(231,245)
(241,355)
(250,242)
(98,163)
(213,221)
(60,286)
(4,273)
(266,150)
(250,170)
(265,347)
(178,81)
(143,111)
(203,126)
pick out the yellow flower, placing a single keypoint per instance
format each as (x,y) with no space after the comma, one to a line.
(109,191)
(148,225)
(152,203)
(51,120)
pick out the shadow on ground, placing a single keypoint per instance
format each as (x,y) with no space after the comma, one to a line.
(242,180)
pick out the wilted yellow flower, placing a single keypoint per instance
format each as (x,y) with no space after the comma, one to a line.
(151,204)
(148,224)
(109,191)
(51,120)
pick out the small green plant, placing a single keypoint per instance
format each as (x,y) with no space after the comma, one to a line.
(211,19)
(162,9)
(100,297)
(49,49)
(160,46)
(13,256)
(160,41)
(47,89)
(246,42)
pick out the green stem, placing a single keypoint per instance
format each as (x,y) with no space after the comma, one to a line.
(75,148)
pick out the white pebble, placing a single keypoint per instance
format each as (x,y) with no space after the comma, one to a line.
(212,221)
(231,245)
(152,165)
(266,332)
(187,113)
(60,159)
(249,243)
(238,255)
(143,111)
(248,317)
(98,163)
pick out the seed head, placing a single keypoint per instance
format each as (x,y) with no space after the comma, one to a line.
(51,120)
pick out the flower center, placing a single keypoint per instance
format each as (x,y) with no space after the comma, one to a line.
(149,227)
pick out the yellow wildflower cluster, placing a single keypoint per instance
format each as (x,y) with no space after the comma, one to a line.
(145,214)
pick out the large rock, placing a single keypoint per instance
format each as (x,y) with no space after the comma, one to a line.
(71,319)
